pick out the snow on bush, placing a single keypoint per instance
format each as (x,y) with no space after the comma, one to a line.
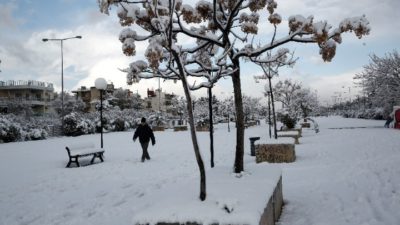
(287,120)
(119,124)
(9,131)
(37,134)
(70,125)
(86,126)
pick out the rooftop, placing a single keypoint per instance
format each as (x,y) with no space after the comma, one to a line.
(23,84)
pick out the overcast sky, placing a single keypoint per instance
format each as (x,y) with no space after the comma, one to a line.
(23,24)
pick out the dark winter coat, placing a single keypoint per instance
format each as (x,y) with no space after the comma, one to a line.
(145,133)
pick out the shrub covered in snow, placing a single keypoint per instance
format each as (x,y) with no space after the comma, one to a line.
(287,120)
(75,125)
(37,134)
(86,126)
(9,131)
(119,124)
(157,120)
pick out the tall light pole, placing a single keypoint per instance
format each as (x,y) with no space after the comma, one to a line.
(159,96)
(101,85)
(61,40)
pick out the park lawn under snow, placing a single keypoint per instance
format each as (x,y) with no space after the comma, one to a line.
(340,176)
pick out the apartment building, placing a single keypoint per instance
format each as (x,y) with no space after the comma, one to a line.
(89,95)
(157,100)
(36,94)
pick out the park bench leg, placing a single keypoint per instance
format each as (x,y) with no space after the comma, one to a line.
(101,157)
(73,160)
(97,155)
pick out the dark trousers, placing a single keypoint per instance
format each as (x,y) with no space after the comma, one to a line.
(145,154)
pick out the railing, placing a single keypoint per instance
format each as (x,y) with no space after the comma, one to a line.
(30,100)
(32,83)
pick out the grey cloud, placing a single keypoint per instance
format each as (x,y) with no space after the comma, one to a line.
(6,19)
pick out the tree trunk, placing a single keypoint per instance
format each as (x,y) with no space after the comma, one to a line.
(269,114)
(196,148)
(192,127)
(273,108)
(229,128)
(211,126)
(237,89)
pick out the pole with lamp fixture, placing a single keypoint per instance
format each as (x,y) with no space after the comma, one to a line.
(101,85)
(61,40)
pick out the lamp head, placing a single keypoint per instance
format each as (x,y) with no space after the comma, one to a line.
(100,83)
(45,39)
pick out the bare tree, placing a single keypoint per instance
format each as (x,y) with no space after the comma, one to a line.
(229,25)
(271,69)
(167,59)
(380,80)
(296,100)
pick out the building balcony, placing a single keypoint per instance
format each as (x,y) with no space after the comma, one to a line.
(28,101)
(30,84)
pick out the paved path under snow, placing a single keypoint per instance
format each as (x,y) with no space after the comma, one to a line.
(340,176)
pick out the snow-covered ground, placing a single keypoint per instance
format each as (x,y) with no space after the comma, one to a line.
(340,176)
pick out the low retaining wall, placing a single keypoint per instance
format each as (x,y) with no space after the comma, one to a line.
(275,153)
(273,210)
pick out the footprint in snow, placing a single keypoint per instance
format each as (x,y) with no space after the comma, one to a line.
(119,203)
(126,186)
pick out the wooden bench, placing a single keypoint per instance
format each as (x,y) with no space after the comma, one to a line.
(80,150)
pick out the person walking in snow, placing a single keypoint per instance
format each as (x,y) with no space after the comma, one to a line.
(145,133)
(389,119)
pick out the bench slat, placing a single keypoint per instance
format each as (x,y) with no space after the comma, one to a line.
(83,152)
(81,145)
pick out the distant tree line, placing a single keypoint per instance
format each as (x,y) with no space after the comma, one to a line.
(379,81)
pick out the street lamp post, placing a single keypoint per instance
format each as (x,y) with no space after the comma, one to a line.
(101,85)
(62,73)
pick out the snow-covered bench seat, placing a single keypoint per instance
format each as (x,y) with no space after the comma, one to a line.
(85,149)
(292,134)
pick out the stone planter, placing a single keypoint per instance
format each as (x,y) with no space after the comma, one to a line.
(180,128)
(202,128)
(275,153)
(260,201)
(270,215)
(250,124)
(158,128)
